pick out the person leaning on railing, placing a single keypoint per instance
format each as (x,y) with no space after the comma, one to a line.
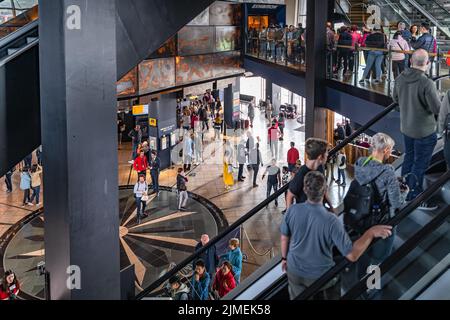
(375,40)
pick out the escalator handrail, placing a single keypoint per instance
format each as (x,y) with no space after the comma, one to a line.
(358,289)
(6,40)
(256,209)
(261,206)
(20,51)
(395,221)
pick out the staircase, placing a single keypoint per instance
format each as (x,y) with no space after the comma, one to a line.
(358,12)
(437,12)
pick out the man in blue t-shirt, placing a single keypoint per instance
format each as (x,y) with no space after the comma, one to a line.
(308,234)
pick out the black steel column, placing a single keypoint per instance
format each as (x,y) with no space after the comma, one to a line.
(315,68)
(78,109)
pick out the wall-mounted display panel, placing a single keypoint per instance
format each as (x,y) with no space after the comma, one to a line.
(195,40)
(194,68)
(227,38)
(224,14)
(201,20)
(168,49)
(227,63)
(128,84)
(156,74)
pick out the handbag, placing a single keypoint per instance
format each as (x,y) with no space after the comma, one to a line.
(144,197)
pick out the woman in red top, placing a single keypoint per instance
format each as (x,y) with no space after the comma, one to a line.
(194,120)
(10,286)
(224,280)
(141,164)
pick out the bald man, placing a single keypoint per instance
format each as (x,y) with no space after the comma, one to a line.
(419,104)
(209,257)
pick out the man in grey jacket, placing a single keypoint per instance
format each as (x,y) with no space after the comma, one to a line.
(373,168)
(444,118)
(419,103)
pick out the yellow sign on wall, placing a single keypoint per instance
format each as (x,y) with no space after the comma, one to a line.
(152,122)
(140,110)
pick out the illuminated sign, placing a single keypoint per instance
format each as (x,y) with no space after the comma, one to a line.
(140,110)
(152,122)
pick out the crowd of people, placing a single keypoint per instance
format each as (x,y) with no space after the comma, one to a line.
(30,178)
(342,44)
(309,232)
(311,228)
(278,43)
(214,276)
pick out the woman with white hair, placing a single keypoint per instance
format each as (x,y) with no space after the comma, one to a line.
(374,169)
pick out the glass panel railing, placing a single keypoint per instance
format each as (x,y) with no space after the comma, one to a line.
(258,243)
(342,278)
(349,65)
(418,271)
(288,52)
(258,232)
(14,14)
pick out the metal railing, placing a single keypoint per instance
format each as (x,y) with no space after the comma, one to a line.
(339,267)
(155,285)
(354,52)
(412,243)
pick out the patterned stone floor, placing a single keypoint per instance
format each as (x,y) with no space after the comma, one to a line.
(260,235)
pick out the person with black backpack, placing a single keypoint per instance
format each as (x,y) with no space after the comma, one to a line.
(309,234)
(374,196)
(344,54)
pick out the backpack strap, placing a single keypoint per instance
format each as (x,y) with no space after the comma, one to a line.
(372,182)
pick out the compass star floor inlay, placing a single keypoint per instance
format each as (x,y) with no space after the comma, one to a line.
(165,237)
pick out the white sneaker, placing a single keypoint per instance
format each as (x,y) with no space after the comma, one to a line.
(425,206)
(30,204)
(131,162)
(39,204)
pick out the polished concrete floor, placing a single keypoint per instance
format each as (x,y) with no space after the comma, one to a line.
(260,235)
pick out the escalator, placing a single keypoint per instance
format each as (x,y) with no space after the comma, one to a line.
(272,283)
(20,127)
(419,269)
(264,279)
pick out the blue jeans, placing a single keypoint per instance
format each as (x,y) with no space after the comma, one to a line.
(8,181)
(36,194)
(155,180)
(135,146)
(269,189)
(374,58)
(140,205)
(341,173)
(379,252)
(382,249)
(418,153)
(272,49)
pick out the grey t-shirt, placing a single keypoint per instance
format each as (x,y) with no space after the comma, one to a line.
(313,233)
